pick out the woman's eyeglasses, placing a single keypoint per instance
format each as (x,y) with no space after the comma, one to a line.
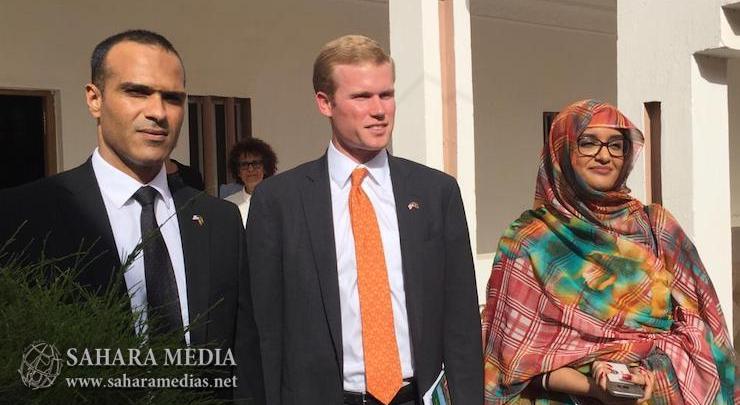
(250,164)
(588,146)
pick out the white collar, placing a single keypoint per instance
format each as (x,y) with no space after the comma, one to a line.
(118,186)
(341,167)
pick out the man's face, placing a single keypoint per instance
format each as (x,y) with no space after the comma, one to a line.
(362,109)
(140,110)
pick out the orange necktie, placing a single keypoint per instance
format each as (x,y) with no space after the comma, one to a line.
(382,363)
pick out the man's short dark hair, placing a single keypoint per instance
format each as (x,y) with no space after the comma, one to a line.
(144,37)
(254,146)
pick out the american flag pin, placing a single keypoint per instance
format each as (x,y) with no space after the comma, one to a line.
(413,205)
(198,219)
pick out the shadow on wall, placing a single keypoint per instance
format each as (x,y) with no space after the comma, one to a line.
(712,68)
(733,18)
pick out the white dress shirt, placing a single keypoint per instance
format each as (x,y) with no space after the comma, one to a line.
(241,198)
(124,214)
(379,189)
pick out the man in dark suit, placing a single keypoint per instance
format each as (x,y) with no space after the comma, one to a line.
(362,274)
(193,264)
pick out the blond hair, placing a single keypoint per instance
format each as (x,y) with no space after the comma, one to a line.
(345,50)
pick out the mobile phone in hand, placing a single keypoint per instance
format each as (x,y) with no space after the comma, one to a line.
(620,386)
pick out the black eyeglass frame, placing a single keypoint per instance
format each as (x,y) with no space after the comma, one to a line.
(254,164)
(625,146)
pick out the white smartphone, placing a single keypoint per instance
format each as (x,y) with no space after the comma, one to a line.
(619,386)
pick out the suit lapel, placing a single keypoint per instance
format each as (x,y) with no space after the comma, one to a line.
(87,199)
(411,227)
(316,197)
(196,254)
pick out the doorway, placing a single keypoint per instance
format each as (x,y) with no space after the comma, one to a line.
(27,136)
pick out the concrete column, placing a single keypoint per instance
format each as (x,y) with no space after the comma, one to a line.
(711,173)
(419,134)
(414,35)
(466,131)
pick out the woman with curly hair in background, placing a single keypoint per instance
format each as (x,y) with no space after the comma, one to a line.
(250,161)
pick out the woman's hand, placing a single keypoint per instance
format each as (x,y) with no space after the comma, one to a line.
(640,376)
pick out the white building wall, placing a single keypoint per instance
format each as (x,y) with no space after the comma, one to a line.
(262,50)
(529,57)
(658,60)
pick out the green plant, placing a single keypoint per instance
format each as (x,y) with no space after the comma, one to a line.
(40,300)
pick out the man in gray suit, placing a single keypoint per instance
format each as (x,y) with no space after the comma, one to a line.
(362,274)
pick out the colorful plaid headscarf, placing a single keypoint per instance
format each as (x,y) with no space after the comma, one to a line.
(589,275)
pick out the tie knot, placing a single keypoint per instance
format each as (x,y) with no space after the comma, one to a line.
(146,195)
(358,175)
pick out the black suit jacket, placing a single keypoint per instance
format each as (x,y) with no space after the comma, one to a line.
(68,210)
(295,287)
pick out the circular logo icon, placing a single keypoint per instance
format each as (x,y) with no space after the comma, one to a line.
(41,365)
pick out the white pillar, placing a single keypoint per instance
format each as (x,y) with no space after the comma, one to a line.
(414,35)
(466,133)
(711,174)
(418,134)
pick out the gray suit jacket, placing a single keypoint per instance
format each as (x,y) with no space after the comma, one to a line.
(295,288)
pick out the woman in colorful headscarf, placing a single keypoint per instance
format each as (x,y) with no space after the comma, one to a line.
(592,275)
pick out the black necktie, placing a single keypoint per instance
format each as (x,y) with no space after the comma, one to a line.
(161,287)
